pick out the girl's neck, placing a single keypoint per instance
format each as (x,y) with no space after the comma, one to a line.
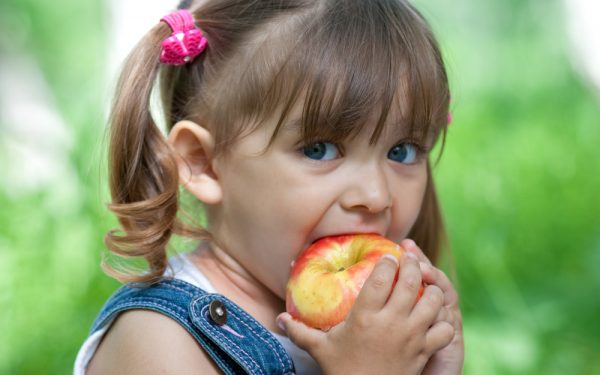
(234,282)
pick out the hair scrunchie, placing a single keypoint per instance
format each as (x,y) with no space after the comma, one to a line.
(186,41)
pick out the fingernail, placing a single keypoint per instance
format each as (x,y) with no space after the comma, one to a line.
(410,243)
(280,324)
(391,258)
(411,255)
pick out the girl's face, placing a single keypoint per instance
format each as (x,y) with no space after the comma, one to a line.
(279,200)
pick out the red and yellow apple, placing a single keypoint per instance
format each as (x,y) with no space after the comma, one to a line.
(327,277)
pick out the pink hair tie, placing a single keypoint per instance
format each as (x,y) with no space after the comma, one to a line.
(185,43)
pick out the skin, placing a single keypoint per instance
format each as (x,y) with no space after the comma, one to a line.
(448,360)
(266,205)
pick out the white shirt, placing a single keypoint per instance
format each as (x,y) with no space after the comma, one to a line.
(183,269)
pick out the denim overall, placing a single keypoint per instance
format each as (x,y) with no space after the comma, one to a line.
(234,340)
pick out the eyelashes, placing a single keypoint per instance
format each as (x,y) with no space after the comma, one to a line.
(321,151)
(403,152)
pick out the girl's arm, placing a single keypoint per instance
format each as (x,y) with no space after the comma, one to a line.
(147,342)
(386,332)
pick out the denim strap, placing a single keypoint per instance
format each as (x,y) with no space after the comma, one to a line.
(240,346)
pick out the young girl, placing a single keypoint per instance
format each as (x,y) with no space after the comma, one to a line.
(290,120)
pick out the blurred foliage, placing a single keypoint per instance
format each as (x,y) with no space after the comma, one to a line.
(519,181)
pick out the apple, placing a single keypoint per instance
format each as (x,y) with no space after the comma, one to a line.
(326,278)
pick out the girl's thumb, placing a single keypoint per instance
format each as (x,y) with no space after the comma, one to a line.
(300,334)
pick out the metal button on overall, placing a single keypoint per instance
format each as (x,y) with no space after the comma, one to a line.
(218,312)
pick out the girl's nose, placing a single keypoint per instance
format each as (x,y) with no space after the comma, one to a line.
(367,189)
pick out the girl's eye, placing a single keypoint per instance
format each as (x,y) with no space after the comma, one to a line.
(405,153)
(321,151)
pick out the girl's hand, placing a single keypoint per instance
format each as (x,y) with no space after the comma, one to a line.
(449,360)
(386,332)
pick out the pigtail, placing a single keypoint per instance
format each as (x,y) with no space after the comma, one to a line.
(143,174)
(144,181)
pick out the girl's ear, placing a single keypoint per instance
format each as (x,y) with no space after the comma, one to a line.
(194,147)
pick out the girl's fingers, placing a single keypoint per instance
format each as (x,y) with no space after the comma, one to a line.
(445,315)
(434,276)
(439,336)
(429,308)
(404,294)
(377,287)
(303,336)
(431,274)
(412,248)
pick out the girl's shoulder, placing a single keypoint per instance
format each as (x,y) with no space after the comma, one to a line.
(175,327)
(143,342)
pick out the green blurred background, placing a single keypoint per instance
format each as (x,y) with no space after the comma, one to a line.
(519,181)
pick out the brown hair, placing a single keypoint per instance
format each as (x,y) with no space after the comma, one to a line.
(345,60)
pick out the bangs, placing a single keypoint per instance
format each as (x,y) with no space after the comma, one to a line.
(352,65)
(363,65)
